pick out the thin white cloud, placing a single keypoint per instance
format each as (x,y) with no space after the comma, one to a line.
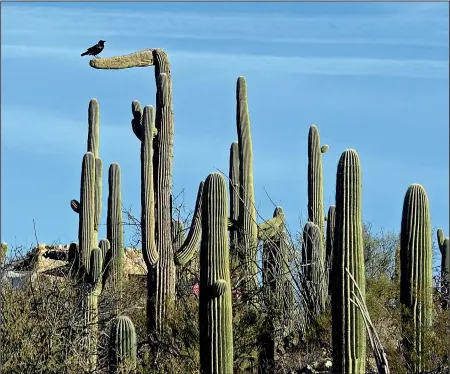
(284,64)
(413,25)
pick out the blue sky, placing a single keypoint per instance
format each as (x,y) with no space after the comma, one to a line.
(371,76)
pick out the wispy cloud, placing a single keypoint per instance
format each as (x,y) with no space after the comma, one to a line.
(257,62)
(392,28)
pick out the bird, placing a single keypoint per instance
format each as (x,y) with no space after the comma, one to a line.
(95,49)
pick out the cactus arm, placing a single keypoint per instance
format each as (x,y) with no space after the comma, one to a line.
(137,59)
(150,253)
(75,205)
(86,211)
(136,122)
(186,251)
(98,192)
(93,140)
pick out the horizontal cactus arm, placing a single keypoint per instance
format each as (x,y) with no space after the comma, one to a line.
(219,287)
(75,205)
(137,59)
(184,255)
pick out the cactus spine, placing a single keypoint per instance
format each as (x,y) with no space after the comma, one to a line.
(315,179)
(349,334)
(114,230)
(313,258)
(248,229)
(216,332)
(331,221)
(444,247)
(416,271)
(123,346)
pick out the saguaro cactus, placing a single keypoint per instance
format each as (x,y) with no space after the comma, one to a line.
(313,258)
(86,209)
(114,230)
(234,193)
(276,281)
(93,142)
(315,179)
(123,346)
(216,332)
(331,221)
(444,247)
(248,228)
(349,333)
(416,271)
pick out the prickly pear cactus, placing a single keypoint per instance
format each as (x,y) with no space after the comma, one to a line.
(315,179)
(216,331)
(123,346)
(349,333)
(416,271)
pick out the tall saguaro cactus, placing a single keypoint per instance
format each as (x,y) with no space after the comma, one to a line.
(444,247)
(160,264)
(349,333)
(248,228)
(331,221)
(86,209)
(216,332)
(276,282)
(313,255)
(315,179)
(93,143)
(234,193)
(416,270)
(114,230)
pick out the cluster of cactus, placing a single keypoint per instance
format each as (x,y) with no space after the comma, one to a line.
(334,260)
(95,266)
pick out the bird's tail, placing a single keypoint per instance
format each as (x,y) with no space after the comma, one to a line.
(85,53)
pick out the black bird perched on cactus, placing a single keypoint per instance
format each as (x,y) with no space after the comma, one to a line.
(95,49)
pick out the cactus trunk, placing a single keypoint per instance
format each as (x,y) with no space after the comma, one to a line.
(416,272)
(315,179)
(248,229)
(114,232)
(215,313)
(349,333)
